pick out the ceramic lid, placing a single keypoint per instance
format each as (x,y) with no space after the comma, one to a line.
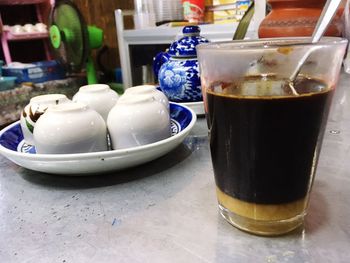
(186,46)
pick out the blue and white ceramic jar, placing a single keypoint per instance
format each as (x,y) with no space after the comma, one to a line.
(177,69)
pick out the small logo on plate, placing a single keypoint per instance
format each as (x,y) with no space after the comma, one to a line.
(25,148)
(175,127)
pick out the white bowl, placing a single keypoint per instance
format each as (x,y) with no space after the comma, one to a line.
(99,97)
(70,128)
(138,120)
(16,29)
(29,28)
(146,89)
(40,27)
(32,112)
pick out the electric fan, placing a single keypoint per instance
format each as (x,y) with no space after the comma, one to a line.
(72,40)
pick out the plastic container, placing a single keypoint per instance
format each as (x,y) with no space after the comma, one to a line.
(35,72)
(168,10)
(7,83)
(144,14)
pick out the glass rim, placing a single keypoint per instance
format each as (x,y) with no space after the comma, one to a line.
(264,43)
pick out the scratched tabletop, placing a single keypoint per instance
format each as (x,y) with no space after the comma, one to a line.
(166,210)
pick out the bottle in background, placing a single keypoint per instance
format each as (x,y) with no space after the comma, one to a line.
(193,10)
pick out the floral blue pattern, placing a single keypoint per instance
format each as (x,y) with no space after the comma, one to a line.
(186,46)
(159,60)
(178,70)
(180,81)
(172,79)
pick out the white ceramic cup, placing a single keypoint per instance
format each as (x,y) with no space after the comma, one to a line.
(16,29)
(138,120)
(146,89)
(33,111)
(29,28)
(40,27)
(99,97)
(70,128)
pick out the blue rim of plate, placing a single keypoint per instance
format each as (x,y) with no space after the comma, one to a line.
(11,137)
(193,105)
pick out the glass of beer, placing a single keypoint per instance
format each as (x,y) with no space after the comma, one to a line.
(266,129)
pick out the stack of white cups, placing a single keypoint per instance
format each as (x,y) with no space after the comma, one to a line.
(144,14)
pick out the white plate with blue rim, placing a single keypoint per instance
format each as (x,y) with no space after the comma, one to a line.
(196,106)
(14,148)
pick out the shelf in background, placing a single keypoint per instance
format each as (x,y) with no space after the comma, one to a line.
(25,36)
(21,2)
(165,34)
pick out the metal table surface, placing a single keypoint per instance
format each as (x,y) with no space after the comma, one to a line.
(166,210)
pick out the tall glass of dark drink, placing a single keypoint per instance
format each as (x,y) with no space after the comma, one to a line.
(265,130)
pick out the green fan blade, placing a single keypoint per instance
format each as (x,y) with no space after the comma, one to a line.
(69,35)
(72,39)
(67,20)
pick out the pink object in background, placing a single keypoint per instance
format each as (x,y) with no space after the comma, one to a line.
(42,9)
(193,10)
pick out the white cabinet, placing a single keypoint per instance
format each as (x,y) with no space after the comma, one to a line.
(166,35)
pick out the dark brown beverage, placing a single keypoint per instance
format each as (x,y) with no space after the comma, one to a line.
(265,146)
